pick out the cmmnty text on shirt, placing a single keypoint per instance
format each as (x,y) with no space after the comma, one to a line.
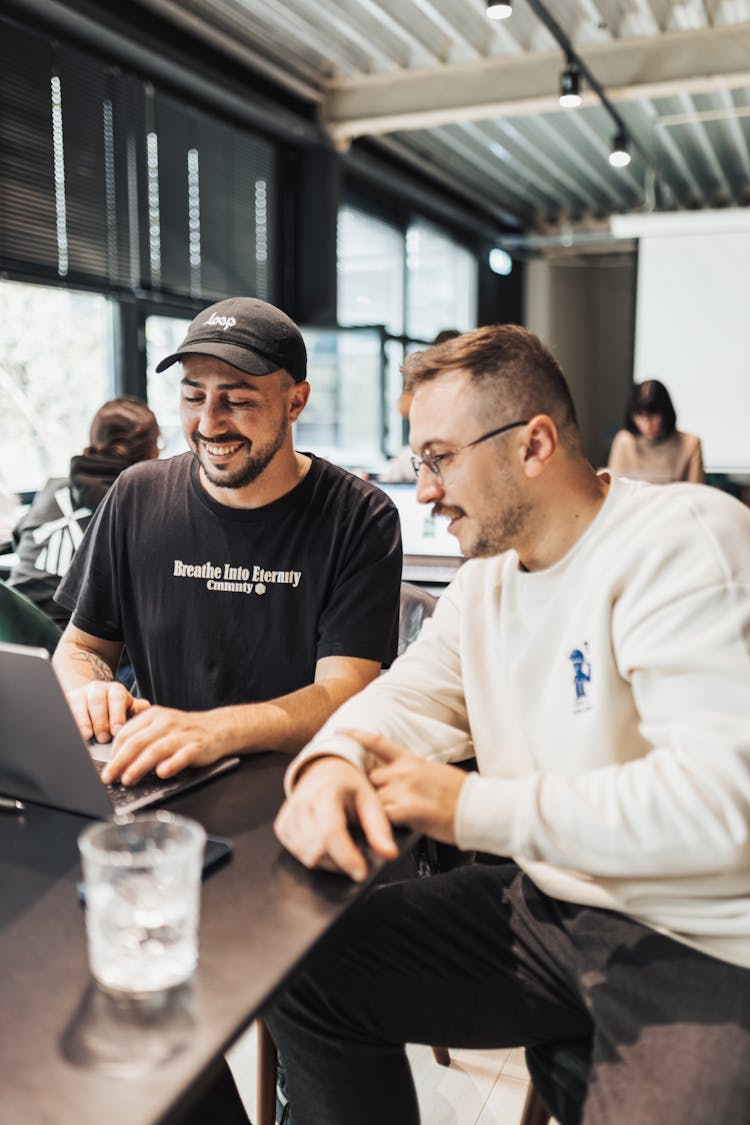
(236,578)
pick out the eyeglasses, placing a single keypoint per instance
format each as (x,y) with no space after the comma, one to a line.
(434,461)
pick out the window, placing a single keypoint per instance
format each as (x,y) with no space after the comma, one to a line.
(56,370)
(415,282)
(370,267)
(441,283)
(110,183)
(164,334)
(343,420)
(211,204)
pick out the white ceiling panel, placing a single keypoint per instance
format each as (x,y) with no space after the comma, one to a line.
(474,102)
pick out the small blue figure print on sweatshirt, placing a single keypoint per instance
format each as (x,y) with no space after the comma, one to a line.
(581,677)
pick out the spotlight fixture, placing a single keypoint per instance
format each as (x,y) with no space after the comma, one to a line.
(570,86)
(500,11)
(619,157)
(500,261)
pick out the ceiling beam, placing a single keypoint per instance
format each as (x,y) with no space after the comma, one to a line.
(676,63)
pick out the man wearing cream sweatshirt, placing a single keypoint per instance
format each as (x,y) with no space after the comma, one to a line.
(592,655)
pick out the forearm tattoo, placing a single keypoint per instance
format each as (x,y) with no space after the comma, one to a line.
(99,667)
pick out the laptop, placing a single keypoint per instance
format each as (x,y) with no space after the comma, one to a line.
(44,758)
(431,553)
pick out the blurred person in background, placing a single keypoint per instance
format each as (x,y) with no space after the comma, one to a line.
(650,447)
(123,431)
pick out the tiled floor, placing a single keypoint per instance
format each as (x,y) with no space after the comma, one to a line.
(479,1087)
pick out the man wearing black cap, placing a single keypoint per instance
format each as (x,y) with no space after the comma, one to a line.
(254,587)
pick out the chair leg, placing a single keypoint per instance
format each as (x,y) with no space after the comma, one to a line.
(265,1100)
(442,1056)
(534,1112)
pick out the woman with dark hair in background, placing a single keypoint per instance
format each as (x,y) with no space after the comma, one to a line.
(650,447)
(123,431)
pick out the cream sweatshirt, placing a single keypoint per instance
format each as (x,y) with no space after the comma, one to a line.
(607,701)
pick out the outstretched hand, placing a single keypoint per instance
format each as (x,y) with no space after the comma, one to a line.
(314,823)
(413,791)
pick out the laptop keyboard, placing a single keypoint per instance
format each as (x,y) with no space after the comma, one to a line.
(124,794)
(152,790)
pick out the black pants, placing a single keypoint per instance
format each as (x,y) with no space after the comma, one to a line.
(480,958)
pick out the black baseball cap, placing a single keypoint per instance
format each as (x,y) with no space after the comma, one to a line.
(247,333)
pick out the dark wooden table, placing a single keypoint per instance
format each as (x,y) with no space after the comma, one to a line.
(67,1053)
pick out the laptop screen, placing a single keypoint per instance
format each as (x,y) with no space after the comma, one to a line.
(421,533)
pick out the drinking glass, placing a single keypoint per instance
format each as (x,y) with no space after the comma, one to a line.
(142,877)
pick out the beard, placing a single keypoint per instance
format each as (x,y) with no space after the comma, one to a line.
(494,536)
(496,523)
(254,459)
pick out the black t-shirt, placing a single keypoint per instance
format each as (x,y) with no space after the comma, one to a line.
(220,605)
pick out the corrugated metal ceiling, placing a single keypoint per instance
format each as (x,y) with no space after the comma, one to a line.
(474,102)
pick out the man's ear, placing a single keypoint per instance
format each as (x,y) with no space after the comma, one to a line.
(540,445)
(298,397)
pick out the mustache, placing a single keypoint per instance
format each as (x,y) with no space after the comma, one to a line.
(218,439)
(444,510)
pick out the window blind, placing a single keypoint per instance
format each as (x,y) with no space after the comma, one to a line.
(108,182)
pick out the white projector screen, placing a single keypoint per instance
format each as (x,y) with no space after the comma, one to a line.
(693,333)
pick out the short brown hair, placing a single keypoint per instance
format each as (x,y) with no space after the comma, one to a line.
(124,427)
(510,363)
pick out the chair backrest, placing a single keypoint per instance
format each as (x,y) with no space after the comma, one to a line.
(23,623)
(416,604)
